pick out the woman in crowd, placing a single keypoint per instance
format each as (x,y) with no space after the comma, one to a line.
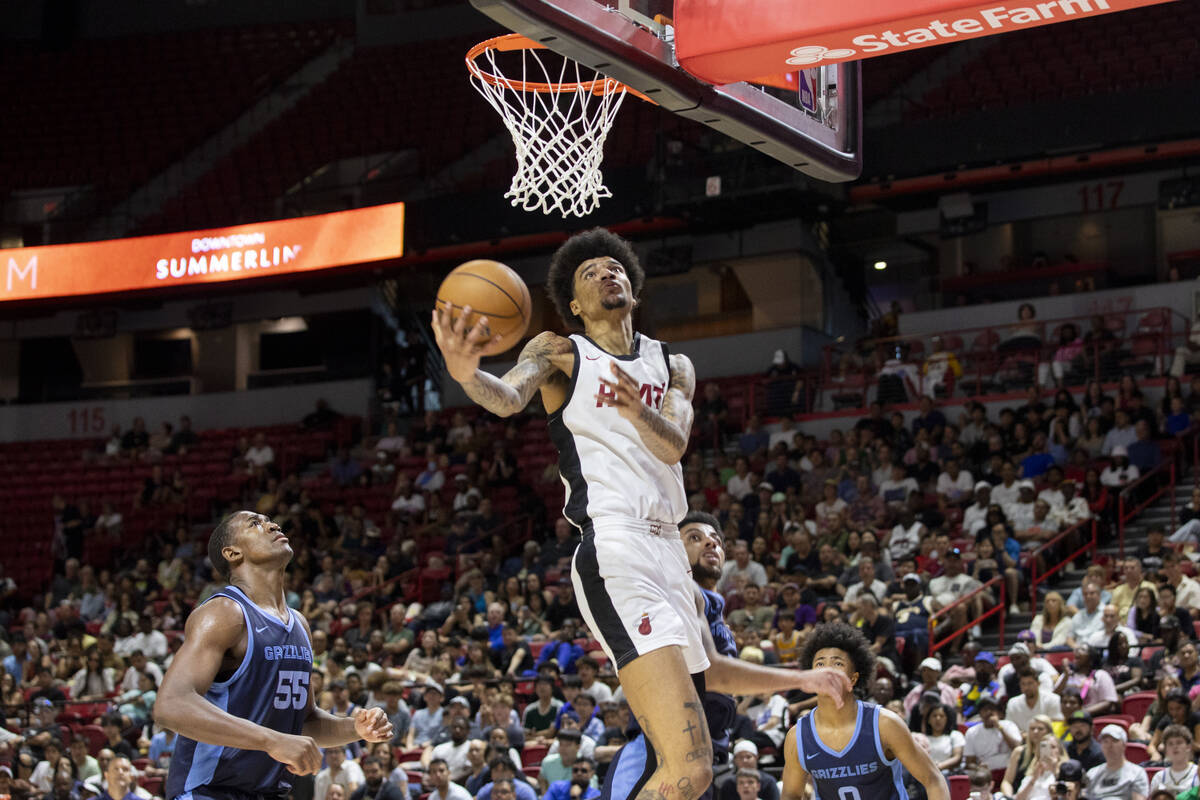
(945,740)
(1051,626)
(1023,756)
(1038,780)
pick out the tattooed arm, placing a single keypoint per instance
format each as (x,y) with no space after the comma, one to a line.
(665,433)
(502,396)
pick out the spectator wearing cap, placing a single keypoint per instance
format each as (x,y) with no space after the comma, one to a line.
(453,751)
(1081,744)
(983,685)
(1116,778)
(952,585)
(745,757)
(1019,658)
(992,741)
(427,721)
(930,670)
(741,566)
(1120,472)
(1020,511)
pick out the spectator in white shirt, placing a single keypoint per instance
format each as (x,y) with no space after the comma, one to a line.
(151,642)
(906,535)
(260,453)
(741,483)
(954,485)
(741,565)
(1008,490)
(1031,701)
(992,741)
(1074,509)
(340,770)
(1089,619)
(133,673)
(407,500)
(975,515)
(896,489)
(1120,472)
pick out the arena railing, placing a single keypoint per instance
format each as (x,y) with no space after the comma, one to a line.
(1037,578)
(998,609)
(1133,498)
(1143,338)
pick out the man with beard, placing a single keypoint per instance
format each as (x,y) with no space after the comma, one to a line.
(375,787)
(704,543)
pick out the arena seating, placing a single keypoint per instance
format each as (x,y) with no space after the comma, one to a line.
(119,86)
(1090,56)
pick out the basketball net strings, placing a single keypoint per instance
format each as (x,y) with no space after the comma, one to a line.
(559,135)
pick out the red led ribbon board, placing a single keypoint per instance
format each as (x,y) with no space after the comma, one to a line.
(726,41)
(219,255)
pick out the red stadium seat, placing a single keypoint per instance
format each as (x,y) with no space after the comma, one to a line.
(533,754)
(1136,704)
(1136,752)
(960,787)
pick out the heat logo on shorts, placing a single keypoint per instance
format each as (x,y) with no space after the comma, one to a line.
(644,625)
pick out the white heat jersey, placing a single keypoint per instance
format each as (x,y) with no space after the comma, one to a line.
(607,469)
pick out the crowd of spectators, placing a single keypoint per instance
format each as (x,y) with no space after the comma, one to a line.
(492,682)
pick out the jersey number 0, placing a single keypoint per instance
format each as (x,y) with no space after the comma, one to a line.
(292,691)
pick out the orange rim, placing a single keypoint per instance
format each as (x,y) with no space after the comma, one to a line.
(514,41)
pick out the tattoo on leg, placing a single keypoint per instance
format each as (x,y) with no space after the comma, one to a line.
(695,731)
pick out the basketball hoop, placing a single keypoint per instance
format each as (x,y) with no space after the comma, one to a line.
(558,113)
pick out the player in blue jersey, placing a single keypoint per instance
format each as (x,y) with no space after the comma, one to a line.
(237,692)
(852,750)
(632,767)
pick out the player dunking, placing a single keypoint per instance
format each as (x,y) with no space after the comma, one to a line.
(854,751)
(237,691)
(620,407)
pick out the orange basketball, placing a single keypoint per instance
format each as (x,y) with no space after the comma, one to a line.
(492,290)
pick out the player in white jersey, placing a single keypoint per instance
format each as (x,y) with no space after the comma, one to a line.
(620,408)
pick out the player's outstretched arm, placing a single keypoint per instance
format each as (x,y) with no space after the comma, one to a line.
(735,676)
(330,730)
(896,738)
(664,433)
(462,348)
(213,630)
(795,779)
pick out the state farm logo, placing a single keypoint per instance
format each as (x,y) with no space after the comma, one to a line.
(814,54)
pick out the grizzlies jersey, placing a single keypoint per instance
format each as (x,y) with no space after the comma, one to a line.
(605,465)
(719,709)
(269,688)
(859,771)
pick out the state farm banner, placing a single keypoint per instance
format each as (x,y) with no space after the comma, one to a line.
(726,41)
(241,252)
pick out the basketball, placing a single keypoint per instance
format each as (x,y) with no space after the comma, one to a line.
(492,290)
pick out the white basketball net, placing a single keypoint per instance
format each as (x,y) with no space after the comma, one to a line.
(558,119)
